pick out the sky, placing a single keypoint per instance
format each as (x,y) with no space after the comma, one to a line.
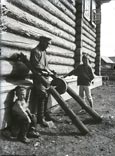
(108,29)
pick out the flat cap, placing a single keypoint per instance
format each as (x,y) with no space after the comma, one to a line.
(43,38)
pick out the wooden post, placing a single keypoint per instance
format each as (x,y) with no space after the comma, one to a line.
(93,113)
(98,32)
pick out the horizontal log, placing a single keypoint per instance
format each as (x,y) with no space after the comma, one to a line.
(88,25)
(68,5)
(84,44)
(46,16)
(53,50)
(88,41)
(15,68)
(89,52)
(19,70)
(32,32)
(54,11)
(58,51)
(60,60)
(61,69)
(91,59)
(60,6)
(9,84)
(25,17)
(89,31)
(8,52)
(17,41)
(11,68)
(88,35)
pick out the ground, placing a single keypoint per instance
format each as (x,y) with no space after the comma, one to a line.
(65,139)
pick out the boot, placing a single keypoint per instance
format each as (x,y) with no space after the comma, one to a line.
(33,134)
(24,140)
(40,117)
(46,113)
(43,122)
(24,127)
(33,123)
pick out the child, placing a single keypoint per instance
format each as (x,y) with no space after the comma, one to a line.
(85,76)
(22,116)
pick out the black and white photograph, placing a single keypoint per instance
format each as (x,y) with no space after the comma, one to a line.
(57,78)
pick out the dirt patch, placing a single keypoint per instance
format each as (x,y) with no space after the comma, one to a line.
(65,139)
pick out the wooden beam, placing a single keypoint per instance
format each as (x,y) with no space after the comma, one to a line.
(46,5)
(88,41)
(89,52)
(68,5)
(32,32)
(27,18)
(44,15)
(84,44)
(17,41)
(64,9)
(52,50)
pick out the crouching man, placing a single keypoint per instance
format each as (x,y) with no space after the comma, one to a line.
(22,115)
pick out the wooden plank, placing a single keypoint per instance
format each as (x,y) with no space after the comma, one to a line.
(32,32)
(27,18)
(54,11)
(46,16)
(59,5)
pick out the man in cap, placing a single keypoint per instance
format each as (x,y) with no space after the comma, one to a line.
(39,63)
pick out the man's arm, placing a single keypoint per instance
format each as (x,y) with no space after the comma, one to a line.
(91,74)
(73,72)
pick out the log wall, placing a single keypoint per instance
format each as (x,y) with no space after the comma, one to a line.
(23,22)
